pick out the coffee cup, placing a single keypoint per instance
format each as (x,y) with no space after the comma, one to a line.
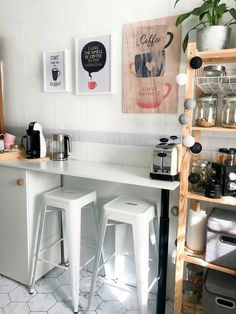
(55,73)
(150,64)
(92,84)
(151,96)
(9,140)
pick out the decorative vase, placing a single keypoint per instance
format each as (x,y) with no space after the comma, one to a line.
(213,37)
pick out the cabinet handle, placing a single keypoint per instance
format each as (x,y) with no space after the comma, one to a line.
(20,181)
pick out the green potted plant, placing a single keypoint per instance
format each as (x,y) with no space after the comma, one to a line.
(210,34)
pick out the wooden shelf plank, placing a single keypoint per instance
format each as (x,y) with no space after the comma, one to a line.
(213,129)
(199,260)
(224,55)
(226,200)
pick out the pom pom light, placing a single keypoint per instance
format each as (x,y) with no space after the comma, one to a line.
(181,79)
(189,141)
(189,103)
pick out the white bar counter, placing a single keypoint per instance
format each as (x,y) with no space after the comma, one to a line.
(94,170)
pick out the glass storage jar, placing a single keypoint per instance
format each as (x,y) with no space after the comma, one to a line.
(202,168)
(228,113)
(206,110)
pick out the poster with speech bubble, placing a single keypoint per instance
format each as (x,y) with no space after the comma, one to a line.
(93,65)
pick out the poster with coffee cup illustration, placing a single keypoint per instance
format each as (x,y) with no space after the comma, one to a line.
(151,57)
(93,65)
(56,68)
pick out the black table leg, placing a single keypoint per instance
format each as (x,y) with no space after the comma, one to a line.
(163,252)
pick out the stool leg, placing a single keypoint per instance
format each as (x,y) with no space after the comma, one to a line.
(95,210)
(141,253)
(102,232)
(120,238)
(73,226)
(37,249)
(65,241)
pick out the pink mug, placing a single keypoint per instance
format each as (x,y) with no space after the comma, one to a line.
(9,140)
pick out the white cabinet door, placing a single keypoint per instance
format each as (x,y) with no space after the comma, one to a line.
(13,224)
(21,195)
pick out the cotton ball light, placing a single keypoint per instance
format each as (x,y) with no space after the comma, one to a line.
(196,62)
(189,103)
(196,148)
(189,141)
(183,119)
(181,79)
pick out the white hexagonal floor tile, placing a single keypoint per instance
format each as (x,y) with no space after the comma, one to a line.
(108,293)
(47,285)
(20,294)
(39,312)
(83,301)
(151,306)
(7,285)
(63,293)
(55,272)
(17,308)
(65,278)
(41,302)
(131,312)
(85,284)
(111,307)
(129,300)
(61,308)
(1,311)
(4,300)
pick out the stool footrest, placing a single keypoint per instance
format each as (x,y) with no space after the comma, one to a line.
(51,263)
(50,246)
(106,261)
(152,284)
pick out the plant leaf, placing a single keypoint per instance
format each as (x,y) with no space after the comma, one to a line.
(185,42)
(182,17)
(176,3)
(202,9)
(232,12)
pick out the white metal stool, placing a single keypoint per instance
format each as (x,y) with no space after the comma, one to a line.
(70,202)
(140,215)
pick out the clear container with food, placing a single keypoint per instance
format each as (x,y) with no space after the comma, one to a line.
(202,169)
(222,154)
(228,113)
(206,111)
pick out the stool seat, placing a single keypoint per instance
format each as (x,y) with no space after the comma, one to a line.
(125,209)
(63,197)
(139,214)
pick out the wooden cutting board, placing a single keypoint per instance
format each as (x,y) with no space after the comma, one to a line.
(11,155)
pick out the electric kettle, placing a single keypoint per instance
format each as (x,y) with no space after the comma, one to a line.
(61,146)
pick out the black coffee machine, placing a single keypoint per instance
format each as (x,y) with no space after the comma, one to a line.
(34,142)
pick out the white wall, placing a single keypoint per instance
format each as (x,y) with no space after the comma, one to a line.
(29,27)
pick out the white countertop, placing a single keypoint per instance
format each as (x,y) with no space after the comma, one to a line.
(94,170)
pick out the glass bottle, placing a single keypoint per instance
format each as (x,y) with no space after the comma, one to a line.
(229,160)
(228,113)
(206,110)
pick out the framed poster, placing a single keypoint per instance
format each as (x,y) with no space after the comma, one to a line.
(151,57)
(56,68)
(93,61)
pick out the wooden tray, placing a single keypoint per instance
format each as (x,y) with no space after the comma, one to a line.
(11,155)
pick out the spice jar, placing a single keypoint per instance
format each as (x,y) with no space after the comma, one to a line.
(222,155)
(228,113)
(229,160)
(194,274)
(206,110)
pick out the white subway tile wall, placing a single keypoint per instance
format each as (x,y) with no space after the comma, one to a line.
(100,130)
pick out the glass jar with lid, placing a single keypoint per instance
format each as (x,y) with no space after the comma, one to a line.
(228,113)
(202,168)
(206,110)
